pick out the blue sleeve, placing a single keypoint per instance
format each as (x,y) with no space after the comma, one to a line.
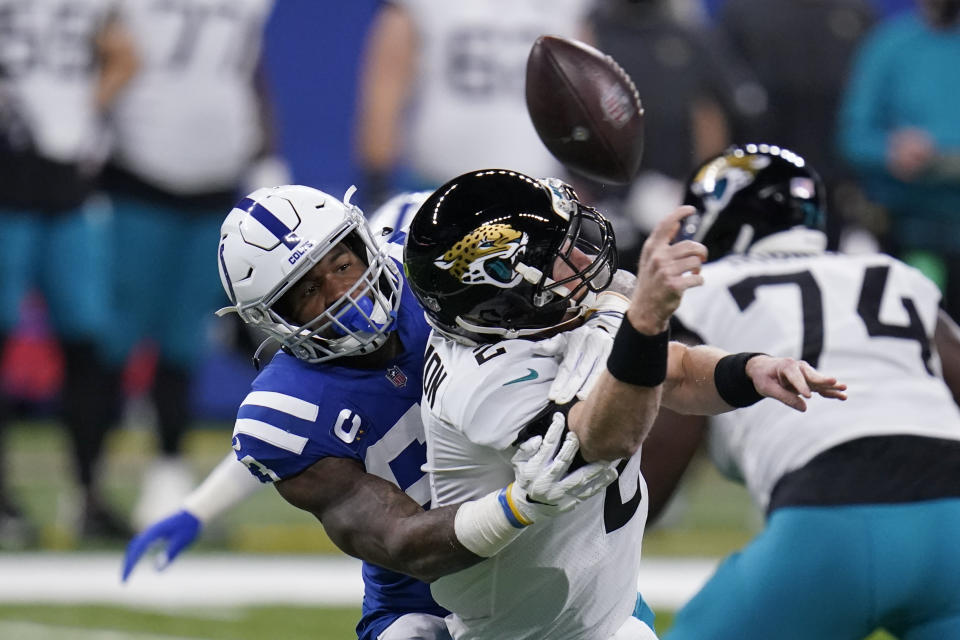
(286,424)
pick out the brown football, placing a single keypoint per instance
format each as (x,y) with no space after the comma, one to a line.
(585,109)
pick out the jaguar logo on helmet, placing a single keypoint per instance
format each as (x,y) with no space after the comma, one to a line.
(749,194)
(487,255)
(484,249)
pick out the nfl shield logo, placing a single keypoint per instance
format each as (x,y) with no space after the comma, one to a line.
(397,377)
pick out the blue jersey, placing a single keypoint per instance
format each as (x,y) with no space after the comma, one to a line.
(298,413)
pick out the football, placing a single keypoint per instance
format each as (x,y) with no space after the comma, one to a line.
(585,109)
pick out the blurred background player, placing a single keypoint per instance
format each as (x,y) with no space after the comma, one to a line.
(862,498)
(689,84)
(899,130)
(442,90)
(188,129)
(800,51)
(62,64)
(499,261)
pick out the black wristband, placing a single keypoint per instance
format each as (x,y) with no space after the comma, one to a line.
(733,384)
(637,358)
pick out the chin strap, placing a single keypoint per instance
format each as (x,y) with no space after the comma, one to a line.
(511,334)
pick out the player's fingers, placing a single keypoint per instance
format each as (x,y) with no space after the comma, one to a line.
(591,381)
(813,375)
(557,423)
(689,280)
(595,350)
(686,248)
(683,265)
(792,378)
(667,228)
(836,394)
(550,440)
(785,396)
(828,388)
(177,544)
(820,382)
(562,461)
(551,346)
(132,556)
(526,450)
(588,479)
(565,384)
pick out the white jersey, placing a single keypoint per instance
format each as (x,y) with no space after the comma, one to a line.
(49,73)
(574,576)
(189,121)
(868,320)
(470,108)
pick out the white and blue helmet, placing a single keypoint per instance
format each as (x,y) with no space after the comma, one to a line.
(273,237)
(396,214)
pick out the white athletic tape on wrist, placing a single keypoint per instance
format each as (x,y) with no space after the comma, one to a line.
(229,484)
(487,525)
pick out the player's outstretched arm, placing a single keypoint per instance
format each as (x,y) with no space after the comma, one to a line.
(372,519)
(617,414)
(706,381)
(227,485)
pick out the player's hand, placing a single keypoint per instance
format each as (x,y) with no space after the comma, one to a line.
(790,381)
(664,272)
(542,487)
(584,350)
(909,152)
(176,532)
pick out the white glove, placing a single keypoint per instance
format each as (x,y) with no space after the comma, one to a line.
(543,488)
(584,350)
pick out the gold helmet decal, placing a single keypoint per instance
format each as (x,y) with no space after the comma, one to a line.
(728,171)
(486,255)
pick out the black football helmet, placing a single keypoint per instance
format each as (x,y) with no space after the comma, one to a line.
(481,253)
(748,193)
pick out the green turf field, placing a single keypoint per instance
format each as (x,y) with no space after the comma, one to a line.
(712,518)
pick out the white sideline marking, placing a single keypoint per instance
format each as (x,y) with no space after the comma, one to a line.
(226,580)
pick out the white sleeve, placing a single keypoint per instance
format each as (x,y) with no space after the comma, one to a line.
(229,484)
